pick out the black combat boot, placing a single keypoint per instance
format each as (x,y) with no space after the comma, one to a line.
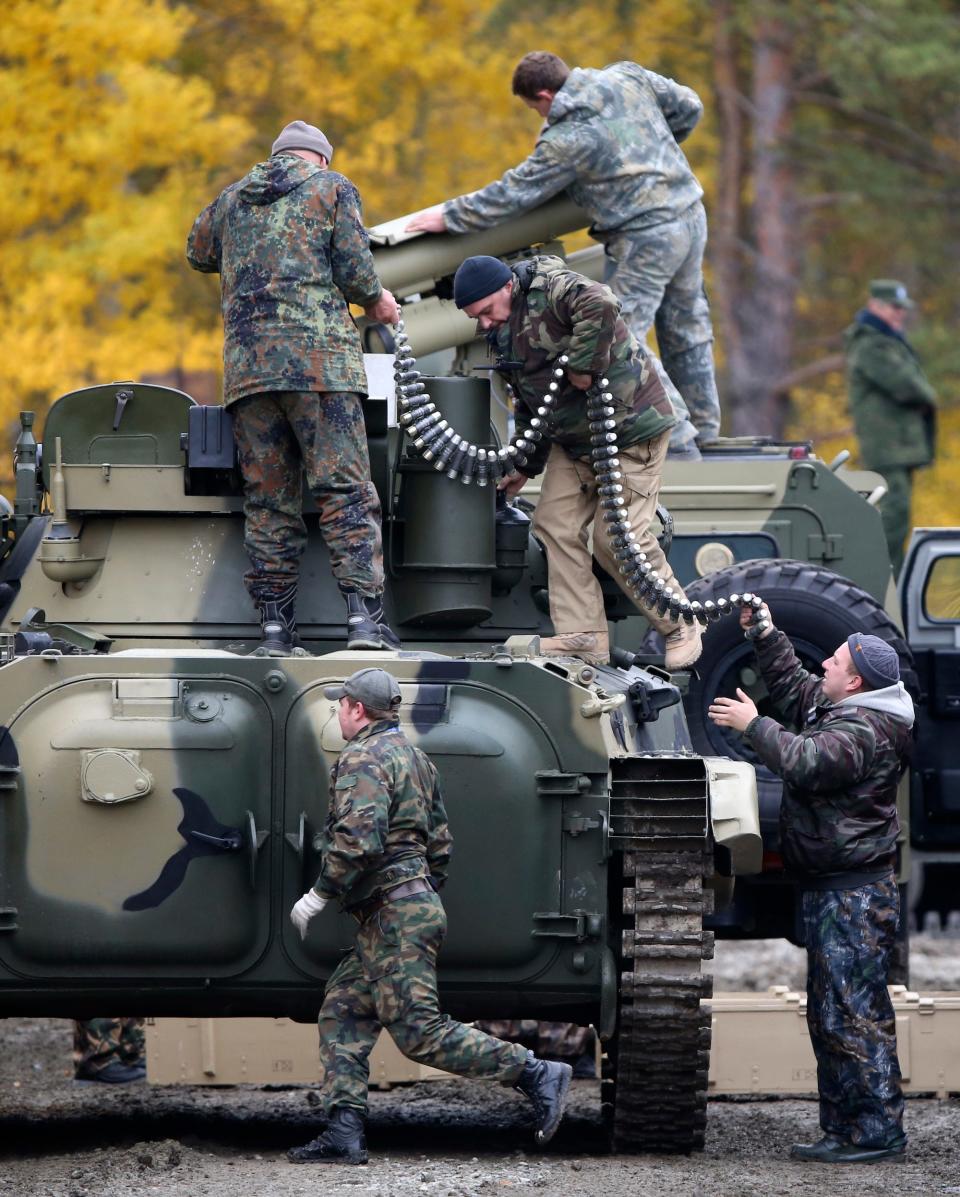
(113,1073)
(342,1142)
(278,623)
(365,623)
(546,1083)
(831,1150)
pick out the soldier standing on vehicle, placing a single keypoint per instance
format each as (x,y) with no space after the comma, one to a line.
(611,140)
(533,314)
(289,245)
(892,403)
(385,852)
(110,1050)
(838,834)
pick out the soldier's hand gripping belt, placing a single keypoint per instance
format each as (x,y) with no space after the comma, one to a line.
(436,441)
(759,623)
(304,910)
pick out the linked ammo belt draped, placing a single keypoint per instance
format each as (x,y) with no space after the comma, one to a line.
(363,910)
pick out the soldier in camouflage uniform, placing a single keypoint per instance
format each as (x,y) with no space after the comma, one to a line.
(110,1050)
(838,834)
(534,314)
(289,245)
(892,403)
(611,142)
(385,852)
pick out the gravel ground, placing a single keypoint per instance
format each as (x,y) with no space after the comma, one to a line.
(444,1138)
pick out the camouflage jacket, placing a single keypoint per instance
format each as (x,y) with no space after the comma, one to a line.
(610,140)
(555,310)
(386,821)
(289,245)
(893,405)
(838,814)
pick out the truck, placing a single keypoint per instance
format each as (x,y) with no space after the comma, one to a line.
(162,785)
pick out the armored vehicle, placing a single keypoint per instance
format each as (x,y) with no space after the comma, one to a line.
(161,788)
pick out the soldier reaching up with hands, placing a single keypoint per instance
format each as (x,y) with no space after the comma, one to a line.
(838,833)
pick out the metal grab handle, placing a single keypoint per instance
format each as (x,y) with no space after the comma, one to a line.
(298,842)
(255,841)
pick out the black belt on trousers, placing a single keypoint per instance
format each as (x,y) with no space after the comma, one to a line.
(364,910)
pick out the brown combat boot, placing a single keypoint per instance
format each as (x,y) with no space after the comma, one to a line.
(592,647)
(683,646)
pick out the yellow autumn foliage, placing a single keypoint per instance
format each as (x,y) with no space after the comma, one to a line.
(124,117)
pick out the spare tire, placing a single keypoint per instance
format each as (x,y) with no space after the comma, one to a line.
(816,608)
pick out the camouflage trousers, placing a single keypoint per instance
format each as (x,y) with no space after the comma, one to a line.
(280,435)
(657,275)
(98,1042)
(568,521)
(389,979)
(850,934)
(555,1040)
(895,511)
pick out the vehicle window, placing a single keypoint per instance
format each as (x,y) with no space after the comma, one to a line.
(941,595)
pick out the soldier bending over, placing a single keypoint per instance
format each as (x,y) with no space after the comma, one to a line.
(533,314)
(610,139)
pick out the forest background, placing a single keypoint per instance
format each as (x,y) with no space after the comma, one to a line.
(829,152)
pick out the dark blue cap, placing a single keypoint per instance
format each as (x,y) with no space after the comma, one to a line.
(478,277)
(875,660)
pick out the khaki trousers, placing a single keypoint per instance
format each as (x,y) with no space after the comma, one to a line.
(568,522)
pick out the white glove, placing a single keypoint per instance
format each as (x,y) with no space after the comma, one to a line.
(303,911)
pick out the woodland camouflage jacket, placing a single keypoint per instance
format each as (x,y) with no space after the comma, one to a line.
(386,822)
(289,245)
(892,403)
(610,140)
(564,312)
(838,814)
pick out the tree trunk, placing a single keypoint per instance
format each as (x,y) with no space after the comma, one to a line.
(756,266)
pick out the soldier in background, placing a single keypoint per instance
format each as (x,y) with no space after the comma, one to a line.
(838,837)
(533,314)
(610,139)
(289,245)
(110,1050)
(385,850)
(893,405)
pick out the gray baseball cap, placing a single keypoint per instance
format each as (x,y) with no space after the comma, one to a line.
(373,687)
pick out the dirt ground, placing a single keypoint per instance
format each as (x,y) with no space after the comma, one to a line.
(444,1138)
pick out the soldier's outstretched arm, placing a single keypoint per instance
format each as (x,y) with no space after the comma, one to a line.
(539,177)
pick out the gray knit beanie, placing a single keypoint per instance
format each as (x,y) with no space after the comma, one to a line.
(874,659)
(298,135)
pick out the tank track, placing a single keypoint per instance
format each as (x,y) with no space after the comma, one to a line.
(656,1098)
